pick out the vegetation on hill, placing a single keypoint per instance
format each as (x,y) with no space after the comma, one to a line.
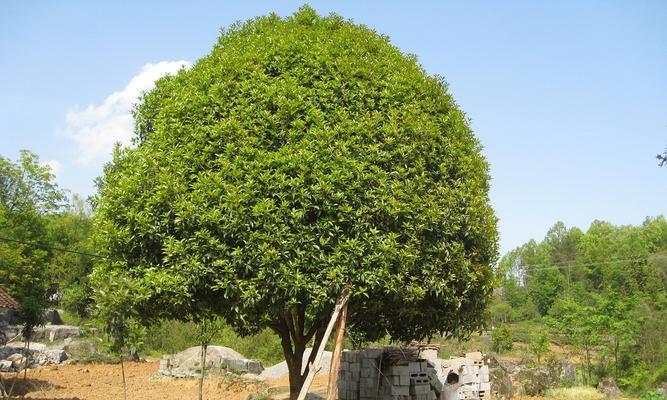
(601,292)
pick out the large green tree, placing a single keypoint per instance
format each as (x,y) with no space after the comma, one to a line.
(302,156)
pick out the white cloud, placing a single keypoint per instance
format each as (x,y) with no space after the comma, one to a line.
(97,127)
(55,166)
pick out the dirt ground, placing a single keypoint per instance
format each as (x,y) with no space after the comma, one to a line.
(104,382)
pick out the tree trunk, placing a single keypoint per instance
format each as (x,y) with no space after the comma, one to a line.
(26,354)
(204,348)
(122,370)
(290,326)
(296,379)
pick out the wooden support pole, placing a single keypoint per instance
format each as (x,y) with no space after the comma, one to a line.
(314,367)
(332,390)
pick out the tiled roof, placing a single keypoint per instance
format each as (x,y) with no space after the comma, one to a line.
(6,301)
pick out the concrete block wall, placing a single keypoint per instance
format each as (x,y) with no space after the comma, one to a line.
(363,377)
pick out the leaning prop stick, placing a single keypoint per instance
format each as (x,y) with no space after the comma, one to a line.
(332,389)
(314,367)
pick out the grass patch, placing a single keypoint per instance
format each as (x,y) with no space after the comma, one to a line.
(574,393)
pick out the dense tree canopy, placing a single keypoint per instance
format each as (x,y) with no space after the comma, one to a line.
(302,156)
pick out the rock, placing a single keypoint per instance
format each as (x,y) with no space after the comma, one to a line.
(499,374)
(56,332)
(218,359)
(34,347)
(52,317)
(6,366)
(533,381)
(17,360)
(567,373)
(609,388)
(251,366)
(50,357)
(81,348)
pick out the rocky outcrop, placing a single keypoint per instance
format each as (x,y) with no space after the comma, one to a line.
(508,379)
(54,333)
(609,388)
(218,359)
(13,359)
(499,374)
(534,381)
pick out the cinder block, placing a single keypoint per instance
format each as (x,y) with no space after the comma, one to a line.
(373,353)
(400,391)
(354,367)
(398,370)
(369,363)
(368,382)
(474,356)
(414,366)
(369,373)
(485,387)
(420,389)
(400,380)
(423,366)
(368,392)
(342,393)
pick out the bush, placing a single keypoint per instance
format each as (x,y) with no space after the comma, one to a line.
(652,395)
(501,340)
(77,300)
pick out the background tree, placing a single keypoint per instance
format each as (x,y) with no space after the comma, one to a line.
(539,343)
(302,156)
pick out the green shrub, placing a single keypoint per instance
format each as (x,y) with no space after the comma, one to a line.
(77,300)
(501,340)
(652,395)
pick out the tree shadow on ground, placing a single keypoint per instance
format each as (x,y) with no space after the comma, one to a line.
(30,385)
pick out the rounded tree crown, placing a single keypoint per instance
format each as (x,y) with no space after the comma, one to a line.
(304,155)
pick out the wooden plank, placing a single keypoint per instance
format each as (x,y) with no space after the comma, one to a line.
(332,390)
(314,367)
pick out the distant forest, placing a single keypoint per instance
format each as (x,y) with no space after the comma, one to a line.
(602,292)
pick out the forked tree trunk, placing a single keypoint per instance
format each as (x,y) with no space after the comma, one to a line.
(290,327)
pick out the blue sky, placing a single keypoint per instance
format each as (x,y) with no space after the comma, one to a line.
(569,99)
